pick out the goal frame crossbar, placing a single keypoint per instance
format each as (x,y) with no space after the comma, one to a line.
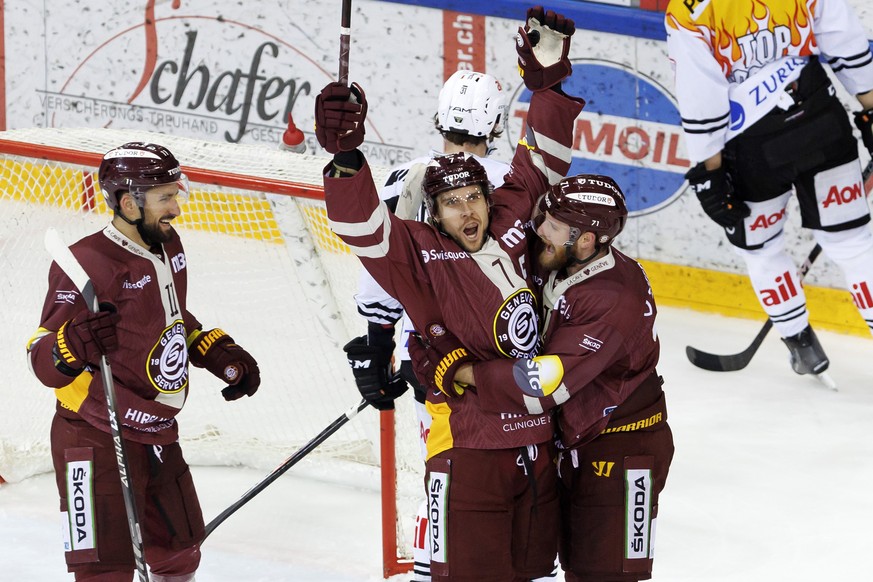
(205,176)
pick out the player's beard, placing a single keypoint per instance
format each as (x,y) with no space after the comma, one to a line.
(154,232)
(551,258)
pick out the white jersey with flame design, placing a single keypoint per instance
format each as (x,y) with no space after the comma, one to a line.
(733,59)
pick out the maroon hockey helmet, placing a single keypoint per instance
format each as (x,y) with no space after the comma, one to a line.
(587,203)
(452,171)
(136,167)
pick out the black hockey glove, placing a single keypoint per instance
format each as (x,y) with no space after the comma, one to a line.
(370,359)
(217,352)
(864,123)
(716,194)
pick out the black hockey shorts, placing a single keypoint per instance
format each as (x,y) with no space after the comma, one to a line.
(809,150)
(98,540)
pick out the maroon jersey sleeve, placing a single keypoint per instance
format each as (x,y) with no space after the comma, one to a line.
(386,245)
(543,154)
(62,303)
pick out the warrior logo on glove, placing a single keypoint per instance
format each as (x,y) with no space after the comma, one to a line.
(436,357)
(217,352)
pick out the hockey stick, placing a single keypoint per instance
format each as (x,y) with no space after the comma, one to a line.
(345,41)
(738,361)
(287,464)
(63,256)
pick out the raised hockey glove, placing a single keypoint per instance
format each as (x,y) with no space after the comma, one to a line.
(217,352)
(436,357)
(371,365)
(864,123)
(543,46)
(340,112)
(716,194)
(86,338)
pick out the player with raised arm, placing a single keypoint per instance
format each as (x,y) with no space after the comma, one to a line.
(138,269)
(598,371)
(762,120)
(490,476)
(470,115)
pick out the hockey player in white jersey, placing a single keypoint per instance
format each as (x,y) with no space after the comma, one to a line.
(762,121)
(471,113)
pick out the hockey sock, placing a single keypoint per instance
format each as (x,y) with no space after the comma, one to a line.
(852,251)
(776,282)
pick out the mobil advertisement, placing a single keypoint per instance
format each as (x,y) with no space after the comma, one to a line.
(629,130)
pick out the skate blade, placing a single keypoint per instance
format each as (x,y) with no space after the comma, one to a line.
(825,379)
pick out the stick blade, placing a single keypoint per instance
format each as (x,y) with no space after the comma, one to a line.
(716,362)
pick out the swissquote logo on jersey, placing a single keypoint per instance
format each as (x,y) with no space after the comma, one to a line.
(629,130)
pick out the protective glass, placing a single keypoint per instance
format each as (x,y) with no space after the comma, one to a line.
(557,233)
(458,201)
(138,191)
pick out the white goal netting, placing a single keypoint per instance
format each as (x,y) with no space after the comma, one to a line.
(263,265)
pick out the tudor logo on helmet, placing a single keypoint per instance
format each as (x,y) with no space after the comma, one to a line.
(592,198)
(136,167)
(587,203)
(450,172)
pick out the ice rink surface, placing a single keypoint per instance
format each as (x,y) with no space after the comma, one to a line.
(771,481)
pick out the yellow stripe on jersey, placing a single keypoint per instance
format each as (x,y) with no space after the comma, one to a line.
(73,394)
(440,437)
(40,333)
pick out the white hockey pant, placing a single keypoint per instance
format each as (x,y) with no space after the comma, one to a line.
(421,546)
(776,282)
(852,251)
(421,543)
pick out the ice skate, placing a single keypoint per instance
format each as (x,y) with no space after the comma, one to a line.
(808,357)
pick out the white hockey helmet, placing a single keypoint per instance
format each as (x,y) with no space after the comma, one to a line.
(471,103)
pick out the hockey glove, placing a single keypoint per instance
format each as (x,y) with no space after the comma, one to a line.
(340,112)
(436,356)
(716,194)
(377,382)
(217,352)
(543,46)
(86,338)
(864,122)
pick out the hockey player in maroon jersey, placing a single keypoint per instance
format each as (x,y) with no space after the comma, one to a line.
(597,369)
(490,475)
(138,269)
(471,114)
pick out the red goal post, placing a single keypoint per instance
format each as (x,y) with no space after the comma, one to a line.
(263,265)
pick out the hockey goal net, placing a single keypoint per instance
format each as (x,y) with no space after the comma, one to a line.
(263,265)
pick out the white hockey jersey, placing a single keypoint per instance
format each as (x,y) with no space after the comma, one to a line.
(374,303)
(734,58)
